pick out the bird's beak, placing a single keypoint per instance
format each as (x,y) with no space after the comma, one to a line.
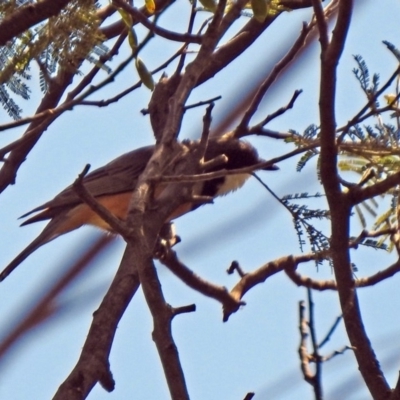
(272,167)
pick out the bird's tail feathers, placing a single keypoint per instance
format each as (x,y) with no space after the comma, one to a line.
(46,236)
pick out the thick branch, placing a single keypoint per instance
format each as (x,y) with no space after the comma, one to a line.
(251,279)
(27,16)
(191,76)
(93,364)
(339,203)
(301,280)
(162,318)
(359,194)
(242,40)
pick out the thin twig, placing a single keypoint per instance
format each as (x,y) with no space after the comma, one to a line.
(116,224)
(219,293)
(277,113)
(218,174)
(170,35)
(330,332)
(202,103)
(278,68)
(317,378)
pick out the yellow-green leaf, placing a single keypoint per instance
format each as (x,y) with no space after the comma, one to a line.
(210,5)
(150,6)
(132,39)
(126,17)
(144,74)
(260,9)
(390,100)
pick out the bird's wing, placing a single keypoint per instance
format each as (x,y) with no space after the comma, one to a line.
(118,176)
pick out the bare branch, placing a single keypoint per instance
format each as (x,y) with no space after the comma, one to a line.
(321,23)
(58,85)
(116,224)
(308,282)
(249,396)
(243,39)
(339,203)
(170,35)
(260,275)
(283,63)
(191,76)
(93,364)
(396,392)
(183,310)
(303,352)
(259,127)
(337,353)
(235,267)
(202,103)
(219,293)
(331,331)
(316,382)
(162,333)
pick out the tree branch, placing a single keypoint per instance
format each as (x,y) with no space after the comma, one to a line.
(219,293)
(166,34)
(93,364)
(27,16)
(339,203)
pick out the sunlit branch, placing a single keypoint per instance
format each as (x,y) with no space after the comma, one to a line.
(360,194)
(229,302)
(313,378)
(322,285)
(321,23)
(337,353)
(339,202)
(251,279)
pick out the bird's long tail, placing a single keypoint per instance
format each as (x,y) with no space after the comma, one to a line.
(46,236)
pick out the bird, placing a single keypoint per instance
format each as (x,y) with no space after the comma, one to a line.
(113,184)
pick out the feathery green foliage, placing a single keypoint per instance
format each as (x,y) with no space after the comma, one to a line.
(302,216)
(373,152)
(59,44)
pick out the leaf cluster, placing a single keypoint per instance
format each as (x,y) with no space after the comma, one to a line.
(58,44)
(302,219)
